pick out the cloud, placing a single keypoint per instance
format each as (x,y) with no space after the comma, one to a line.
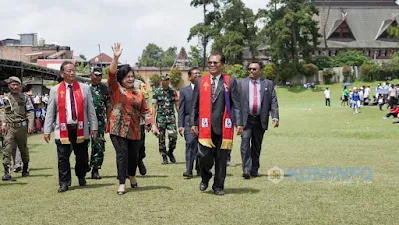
(85,24)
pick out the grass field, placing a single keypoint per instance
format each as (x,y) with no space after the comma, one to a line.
(310,135)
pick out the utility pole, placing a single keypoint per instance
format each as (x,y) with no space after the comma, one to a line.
(99,50)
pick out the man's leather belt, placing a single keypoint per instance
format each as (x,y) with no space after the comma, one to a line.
(254,117)
(17,124)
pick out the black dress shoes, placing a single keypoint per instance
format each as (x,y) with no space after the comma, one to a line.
(188,174)
(254,174)
(63,188)
(203,186)
(246,176)
(142,169)
(95,174)
(134,185)
(172,158)
(219,192)
(164,160)
(82,182)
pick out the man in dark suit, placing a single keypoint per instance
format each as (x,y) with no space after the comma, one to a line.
(216,108)
(258,101)
(185,108)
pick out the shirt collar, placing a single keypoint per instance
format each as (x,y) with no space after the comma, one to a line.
(217,77)
(257,80)
(192,85)
(66,84)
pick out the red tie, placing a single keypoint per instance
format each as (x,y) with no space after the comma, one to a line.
(73,108)
(255,103)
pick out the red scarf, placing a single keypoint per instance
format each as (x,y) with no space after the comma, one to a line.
(62,112)
(205,110)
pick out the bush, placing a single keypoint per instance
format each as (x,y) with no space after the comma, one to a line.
(322,62)
(347,73)
(327,75)
(286,71)
(309,69)
(175,77)
(155,81)
(370,71)
(351,58)
(270,72)
(236,71)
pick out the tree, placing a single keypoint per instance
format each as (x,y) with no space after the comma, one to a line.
(175,77)
(83,69)
(292,30)
(151,56)
(322,62)
(347,73)
(370,71)
(195,56)
(206,30)
(327,75)
(168,57)
(155,81)
(237,31)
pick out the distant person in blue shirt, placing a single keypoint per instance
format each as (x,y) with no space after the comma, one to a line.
(355,100)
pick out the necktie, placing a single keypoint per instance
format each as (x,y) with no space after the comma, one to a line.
(213,87)
(255,102)
(73,107)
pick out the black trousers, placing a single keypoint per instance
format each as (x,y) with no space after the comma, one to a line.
(327,101)
(391,114)
(251,145)
(210,156)
(127,156)
(142,143)
(64,152)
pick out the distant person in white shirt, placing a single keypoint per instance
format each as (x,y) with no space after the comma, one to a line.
(327,96)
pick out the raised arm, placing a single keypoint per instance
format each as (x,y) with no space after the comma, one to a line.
(112,81)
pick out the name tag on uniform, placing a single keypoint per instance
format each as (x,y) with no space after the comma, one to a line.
(228,123)
(204,122)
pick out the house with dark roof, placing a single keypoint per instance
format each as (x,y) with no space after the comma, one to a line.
(352,25)
(357,25)
(101,60)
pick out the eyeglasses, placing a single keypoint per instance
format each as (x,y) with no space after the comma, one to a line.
(213,63)
(252,69)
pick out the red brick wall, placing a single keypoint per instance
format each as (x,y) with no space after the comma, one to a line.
(16,53)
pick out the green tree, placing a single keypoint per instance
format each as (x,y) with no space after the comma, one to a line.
(351,58)
(237,31)
(309,69)
(175,77)
(155,81)
(168,57)
(83,68)
(206,30)
(291,30)
(327,75)
(322,62)
(151,56)
(286,71)
(195,56)
(347,73)
(370,71)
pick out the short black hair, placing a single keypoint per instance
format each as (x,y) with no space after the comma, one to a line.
(257,62)
(191,70)
(222,58)
(122,73)
(64,64)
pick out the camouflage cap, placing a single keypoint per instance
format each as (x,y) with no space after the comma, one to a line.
(11,79)
(164,76)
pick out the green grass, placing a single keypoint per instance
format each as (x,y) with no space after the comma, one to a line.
(309,135)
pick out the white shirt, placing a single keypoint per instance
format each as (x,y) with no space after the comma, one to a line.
(327,93)
(366,92)
(68,106)
(192,86)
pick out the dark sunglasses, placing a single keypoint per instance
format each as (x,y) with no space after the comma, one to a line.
(252,69)
(211,63)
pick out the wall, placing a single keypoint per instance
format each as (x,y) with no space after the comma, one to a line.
(338,77)
(16,53)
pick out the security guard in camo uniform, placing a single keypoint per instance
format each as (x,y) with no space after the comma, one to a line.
(101,100)
(17,118)
(164,102)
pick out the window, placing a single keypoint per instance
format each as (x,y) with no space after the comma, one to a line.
(341,31)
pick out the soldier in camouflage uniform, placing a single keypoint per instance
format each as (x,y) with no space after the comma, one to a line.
(17,120)
(140,87)
(101,100)
(164,103)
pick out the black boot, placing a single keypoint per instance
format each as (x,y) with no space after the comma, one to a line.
(165,160)
(95,173)
(172,157)
(25,170)
(7,173)
(142,169)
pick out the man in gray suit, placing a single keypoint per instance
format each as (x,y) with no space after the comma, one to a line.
(71,127)
(213,147)
(258,101)
(185,108)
